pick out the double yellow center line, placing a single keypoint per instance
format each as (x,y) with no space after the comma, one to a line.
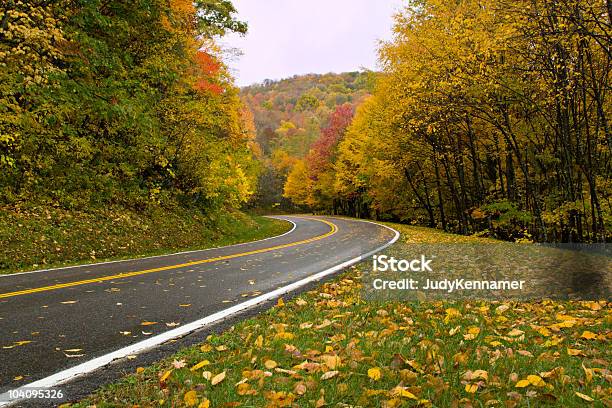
(333,230)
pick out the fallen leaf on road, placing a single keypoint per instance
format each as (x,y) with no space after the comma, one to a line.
(146,323)
(68,302)
(74,355)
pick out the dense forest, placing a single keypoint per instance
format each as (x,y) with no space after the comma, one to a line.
(290,116)
(121,103)
(490,117)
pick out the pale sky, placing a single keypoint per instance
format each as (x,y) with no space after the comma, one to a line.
(289,37)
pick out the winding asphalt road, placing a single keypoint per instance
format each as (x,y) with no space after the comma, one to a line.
(60,320)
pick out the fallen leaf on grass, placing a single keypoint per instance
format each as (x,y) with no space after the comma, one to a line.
(375,373)
(165,376)
(200,365)
(584,397)
(471,388)
(329,374)
(588,335)
(332,362)
(270,364)
(218,378)
(179,363)
(190,398)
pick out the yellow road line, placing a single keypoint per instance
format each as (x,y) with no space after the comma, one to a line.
(334,229)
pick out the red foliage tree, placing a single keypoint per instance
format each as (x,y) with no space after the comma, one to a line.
(323,148)
(209,68)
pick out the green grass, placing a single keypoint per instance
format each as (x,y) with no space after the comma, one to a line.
(43,237)
(427,354)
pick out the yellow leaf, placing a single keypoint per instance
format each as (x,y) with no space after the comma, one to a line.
(165,376)
(218,378)
(284,336)
(148,323)
(204,404)
(544,331)
(584,397)
(574,352)
(280,302)
(588,335)
(522,384)
(190,398)
(259,341)
(472,333)
(200,365)
(270,364)
(588,373)
(536,380)
(375,373)
(139,370)
(206,348)
(332,362)
(402,392)
(471,388)
(245,389)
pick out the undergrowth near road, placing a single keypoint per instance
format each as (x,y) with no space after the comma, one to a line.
(43,237)
(330,348)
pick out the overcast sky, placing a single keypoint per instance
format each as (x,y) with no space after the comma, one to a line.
(288,37)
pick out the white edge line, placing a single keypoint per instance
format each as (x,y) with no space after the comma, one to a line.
(7,275)
(98,362)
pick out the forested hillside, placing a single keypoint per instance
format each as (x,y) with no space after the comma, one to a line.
(120,102)
(490,117)
(292,114)
(118,109)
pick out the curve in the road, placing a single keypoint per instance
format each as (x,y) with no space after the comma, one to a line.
(125,275)
(307,255)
